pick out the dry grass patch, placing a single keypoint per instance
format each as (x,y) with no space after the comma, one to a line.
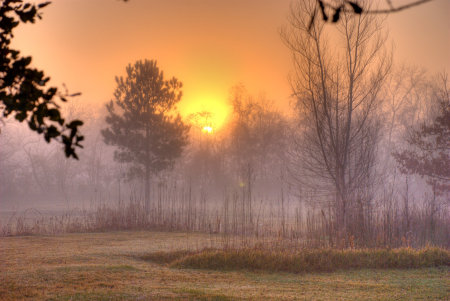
(315,260)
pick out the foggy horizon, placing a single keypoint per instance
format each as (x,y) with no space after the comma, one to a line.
(225,150)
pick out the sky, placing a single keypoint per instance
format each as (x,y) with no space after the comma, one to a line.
(209,45)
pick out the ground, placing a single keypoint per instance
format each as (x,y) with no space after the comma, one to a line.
(106,266)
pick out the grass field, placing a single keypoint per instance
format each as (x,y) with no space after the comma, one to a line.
(109,266)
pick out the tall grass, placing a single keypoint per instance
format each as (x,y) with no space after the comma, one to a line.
(306,260)
(265,221)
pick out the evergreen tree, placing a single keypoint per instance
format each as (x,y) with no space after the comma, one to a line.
(148,132)
(428,147)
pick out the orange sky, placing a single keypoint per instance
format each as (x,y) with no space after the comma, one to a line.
(210,45)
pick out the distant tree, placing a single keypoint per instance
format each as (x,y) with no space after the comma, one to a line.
(256,147)
(148,132)
(428,147)
(23,91)
(257,132)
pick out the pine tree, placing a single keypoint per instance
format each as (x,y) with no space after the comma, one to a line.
(428,152)
(147,131)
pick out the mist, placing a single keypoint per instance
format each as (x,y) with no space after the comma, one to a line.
(246,177)
(309,143)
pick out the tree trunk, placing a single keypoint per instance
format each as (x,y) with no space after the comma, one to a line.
(147,189)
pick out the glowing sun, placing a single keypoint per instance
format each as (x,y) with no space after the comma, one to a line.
(207,112)
(207,129)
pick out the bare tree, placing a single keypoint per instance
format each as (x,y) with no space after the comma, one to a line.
(337,95)
(255,148)
(257,133)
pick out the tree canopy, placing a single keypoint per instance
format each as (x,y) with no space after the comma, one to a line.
(24,93)
(148,132)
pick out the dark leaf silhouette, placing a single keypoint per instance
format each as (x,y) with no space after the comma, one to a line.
(322,9)
(356,8)
(23,92)
(337,14)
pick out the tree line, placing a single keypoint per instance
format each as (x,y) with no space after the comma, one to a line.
(361,134)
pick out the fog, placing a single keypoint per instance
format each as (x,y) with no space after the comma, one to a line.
(345,162)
